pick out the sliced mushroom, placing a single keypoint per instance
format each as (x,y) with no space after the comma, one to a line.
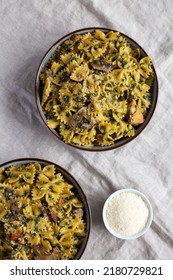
(9,193)
(90,124)
(48,73)
(42,254)
(126,94)
(53,214)
(106,51)
(76,119)
(79,212)
(65,77)
(101,65)
(82,119)
(16,210)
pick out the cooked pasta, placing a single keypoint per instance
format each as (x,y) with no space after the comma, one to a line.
(96,88)
(41,217)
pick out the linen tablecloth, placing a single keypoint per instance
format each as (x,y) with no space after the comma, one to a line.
(27,30)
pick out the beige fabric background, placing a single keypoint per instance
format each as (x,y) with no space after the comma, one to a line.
(27,30)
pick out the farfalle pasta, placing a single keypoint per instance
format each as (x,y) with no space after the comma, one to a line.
(41,217)
(96,88)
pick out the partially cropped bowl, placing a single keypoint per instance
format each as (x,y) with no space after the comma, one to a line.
(127,214)
(47,212)
(94,147)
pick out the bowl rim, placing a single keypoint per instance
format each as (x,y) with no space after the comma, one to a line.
(118,143)
(76,185)
(150,218)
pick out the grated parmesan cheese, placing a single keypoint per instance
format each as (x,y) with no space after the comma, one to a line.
(127,213)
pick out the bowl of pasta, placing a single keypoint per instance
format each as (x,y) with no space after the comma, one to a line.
(44,213)
(96,89)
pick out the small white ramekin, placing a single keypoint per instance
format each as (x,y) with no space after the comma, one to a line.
(148,224)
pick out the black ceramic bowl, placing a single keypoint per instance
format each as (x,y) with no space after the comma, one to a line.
(76,189)
(38,91)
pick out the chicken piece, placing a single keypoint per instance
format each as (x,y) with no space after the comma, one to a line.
(136,115)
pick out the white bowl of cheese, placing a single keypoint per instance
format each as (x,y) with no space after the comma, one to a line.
(127,214)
